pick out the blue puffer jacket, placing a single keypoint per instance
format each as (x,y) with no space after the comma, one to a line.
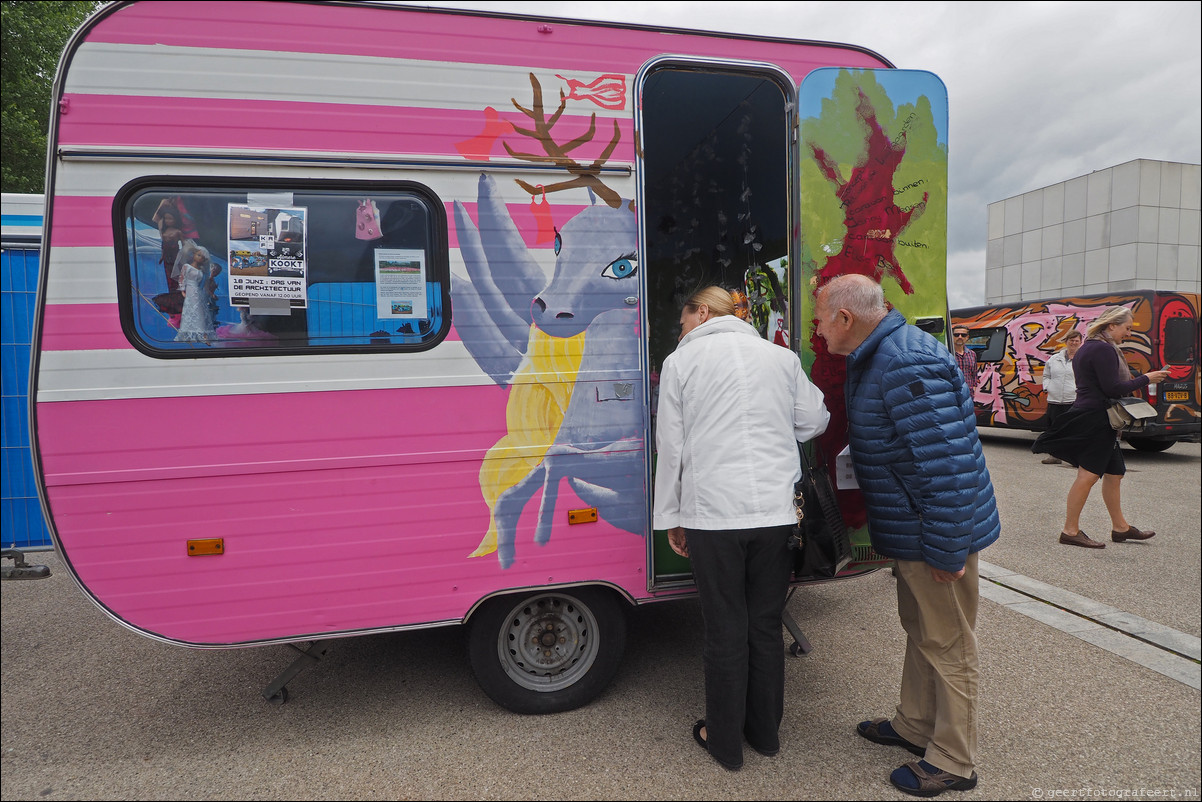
(915,449)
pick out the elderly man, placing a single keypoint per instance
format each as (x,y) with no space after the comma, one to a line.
(931,507)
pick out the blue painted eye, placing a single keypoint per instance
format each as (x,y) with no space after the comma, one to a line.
(620,268)
(558,242)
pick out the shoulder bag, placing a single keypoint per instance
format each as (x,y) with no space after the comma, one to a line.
(820,540)
(1129,414)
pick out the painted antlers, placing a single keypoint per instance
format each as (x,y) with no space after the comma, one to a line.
(586,176)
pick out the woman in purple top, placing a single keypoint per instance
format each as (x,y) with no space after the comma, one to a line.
(1083,437)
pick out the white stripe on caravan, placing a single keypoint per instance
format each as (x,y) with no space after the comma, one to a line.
(81,276)
(87,275)
(101,68)
(102,178)
(108,375)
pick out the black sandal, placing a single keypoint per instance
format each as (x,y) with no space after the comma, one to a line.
(697,734)
(702,743)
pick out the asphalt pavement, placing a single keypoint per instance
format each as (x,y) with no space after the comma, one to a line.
(1089,687)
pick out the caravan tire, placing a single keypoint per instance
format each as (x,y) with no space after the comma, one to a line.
(547,652)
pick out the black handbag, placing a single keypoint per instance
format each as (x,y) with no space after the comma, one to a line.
(820,540)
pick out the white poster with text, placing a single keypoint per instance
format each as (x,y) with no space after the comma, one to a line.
(401,284)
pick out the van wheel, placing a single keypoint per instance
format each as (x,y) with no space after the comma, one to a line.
(1144,444)
(547,652)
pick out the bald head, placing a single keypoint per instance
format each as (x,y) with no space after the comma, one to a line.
(848,308)
(858,294)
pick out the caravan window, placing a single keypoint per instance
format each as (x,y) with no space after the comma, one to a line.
(223,270)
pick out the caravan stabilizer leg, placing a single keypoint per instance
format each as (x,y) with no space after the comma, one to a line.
(276,693)
(800,644)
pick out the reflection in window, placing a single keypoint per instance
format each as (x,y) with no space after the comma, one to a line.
(211,269)
(1180,334)
(990,344)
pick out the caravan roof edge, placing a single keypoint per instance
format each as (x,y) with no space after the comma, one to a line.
(599,23)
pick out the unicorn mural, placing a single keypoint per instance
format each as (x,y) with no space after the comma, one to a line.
(568,352)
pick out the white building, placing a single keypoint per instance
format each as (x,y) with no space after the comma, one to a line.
(1132,226)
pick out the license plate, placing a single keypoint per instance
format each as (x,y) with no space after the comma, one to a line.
(1177,396)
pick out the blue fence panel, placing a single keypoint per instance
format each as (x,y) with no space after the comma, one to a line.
(21,517)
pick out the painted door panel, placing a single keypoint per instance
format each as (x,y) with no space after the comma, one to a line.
(873,204)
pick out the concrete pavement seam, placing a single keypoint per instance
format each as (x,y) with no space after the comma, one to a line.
(1172,640)
(1120,633)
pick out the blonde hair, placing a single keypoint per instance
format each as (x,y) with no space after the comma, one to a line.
(1113,315)
(717,299)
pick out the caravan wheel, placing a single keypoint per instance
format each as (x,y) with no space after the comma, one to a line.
(547,652)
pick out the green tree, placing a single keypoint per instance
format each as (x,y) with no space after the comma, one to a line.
(34,35)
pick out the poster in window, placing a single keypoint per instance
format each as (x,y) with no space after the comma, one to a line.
(401,284)
(267,254)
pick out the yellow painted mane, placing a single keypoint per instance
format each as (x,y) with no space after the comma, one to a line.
(538,398)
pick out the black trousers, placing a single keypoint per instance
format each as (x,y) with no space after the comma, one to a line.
(1055,411)
(742,577)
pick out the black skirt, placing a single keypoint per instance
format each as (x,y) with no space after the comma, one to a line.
(1084,439)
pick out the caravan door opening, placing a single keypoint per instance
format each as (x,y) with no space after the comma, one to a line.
(716,177)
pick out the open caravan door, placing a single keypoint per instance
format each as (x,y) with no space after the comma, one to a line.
(875,205)
(853,179)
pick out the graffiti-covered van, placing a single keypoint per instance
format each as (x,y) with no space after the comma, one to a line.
(1013,343)
(351,315)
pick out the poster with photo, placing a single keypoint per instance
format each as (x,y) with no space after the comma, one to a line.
(267,254)
(401,284)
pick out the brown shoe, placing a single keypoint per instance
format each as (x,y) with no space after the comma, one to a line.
(922,779)
(1131,534)
(872,731)
(1050,461)
(1080,539)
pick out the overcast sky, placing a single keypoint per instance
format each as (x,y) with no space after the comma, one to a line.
(1038,93)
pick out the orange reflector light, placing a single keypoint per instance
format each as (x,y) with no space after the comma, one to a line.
(213,545)
(588,516)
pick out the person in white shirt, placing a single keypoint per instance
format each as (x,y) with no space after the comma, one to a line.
(1059,382)
(732,409)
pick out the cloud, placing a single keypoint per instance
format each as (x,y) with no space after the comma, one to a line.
(1038,92)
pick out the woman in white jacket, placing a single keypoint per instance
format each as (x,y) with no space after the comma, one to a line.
(1059,382)
(732,408)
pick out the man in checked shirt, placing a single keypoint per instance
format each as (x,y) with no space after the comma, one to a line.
(966,358)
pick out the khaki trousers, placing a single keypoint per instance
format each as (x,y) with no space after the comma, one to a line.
(938,706)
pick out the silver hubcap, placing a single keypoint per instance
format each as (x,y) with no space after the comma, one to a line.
(548,642)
